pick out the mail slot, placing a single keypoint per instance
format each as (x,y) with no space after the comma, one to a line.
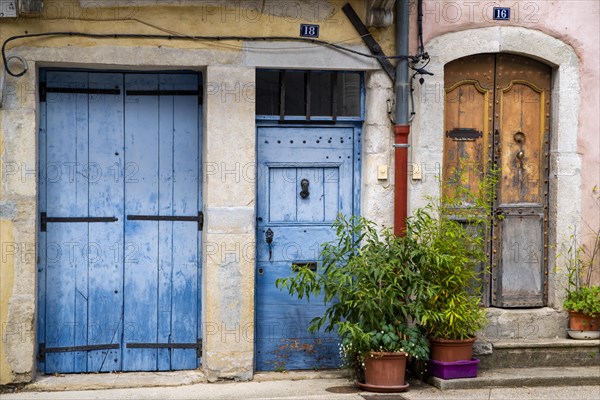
(310,265)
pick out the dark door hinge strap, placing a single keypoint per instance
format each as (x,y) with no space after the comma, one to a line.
(199,218)
(91,347)
(44,219)
(197,346)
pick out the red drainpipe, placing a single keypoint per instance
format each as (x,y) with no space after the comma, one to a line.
(401,133)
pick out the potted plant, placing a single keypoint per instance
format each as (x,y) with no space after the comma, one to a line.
(452,313)
(380,356)
(454,231)
(583,297)
(374,291)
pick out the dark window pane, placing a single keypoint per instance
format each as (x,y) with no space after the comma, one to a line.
(348,94)
(321,93)
(294,93)
(267,92)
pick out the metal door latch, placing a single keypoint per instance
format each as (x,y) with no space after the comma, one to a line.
(269,239)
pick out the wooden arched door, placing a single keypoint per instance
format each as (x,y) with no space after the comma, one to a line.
(497,112)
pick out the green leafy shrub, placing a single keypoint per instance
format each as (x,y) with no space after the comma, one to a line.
(585,300)
(372,283)
(580,262)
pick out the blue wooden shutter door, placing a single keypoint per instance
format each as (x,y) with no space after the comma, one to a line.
(110,283)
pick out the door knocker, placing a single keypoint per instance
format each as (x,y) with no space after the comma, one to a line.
(304,185)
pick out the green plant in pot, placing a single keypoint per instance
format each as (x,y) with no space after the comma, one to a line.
(453,230)
(581,261)
(374,291)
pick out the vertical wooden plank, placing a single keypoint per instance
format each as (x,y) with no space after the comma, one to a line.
(66,197)
(42,237)
(81,261)
(141,198)
(165,228)
(282,201)
(331,190)
(199,234)
(185,193)
(311,208)
(105,250)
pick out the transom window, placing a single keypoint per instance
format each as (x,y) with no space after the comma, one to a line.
(292,95)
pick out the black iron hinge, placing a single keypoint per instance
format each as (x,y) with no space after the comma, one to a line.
(199,219)
(44,219)
(153,345)
(91,347)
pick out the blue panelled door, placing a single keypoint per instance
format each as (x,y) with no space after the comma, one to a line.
(119,242)
(305,178)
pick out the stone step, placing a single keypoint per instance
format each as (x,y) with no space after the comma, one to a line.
(519,377)
(539,353)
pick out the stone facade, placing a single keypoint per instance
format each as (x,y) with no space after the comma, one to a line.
(229,148)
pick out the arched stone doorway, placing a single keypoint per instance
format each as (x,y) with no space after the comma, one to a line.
(564,163)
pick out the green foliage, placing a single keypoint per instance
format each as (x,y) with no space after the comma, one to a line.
(580,262)
(452,309)
(585,300)
(384,293)
(371,282)
(453,230)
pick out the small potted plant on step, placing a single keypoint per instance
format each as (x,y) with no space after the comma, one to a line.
(582,302)
(374,291)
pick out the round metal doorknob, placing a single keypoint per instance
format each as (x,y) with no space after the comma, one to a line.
(520,155)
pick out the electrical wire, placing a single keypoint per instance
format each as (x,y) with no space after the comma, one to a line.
(185,37)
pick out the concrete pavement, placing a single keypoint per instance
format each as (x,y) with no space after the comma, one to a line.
(293,385)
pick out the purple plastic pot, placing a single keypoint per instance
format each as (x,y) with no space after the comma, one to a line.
(453,370)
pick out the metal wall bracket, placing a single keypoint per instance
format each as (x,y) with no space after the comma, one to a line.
(371,43)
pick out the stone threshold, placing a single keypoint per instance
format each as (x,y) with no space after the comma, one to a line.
(545,343)
(125,380)
(520,377)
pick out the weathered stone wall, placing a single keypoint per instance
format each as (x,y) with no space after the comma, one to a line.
(228,157)
(566,43)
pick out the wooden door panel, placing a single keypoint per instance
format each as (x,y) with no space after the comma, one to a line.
(521,265)
(467,122)
(521,146)
(105,278)
(141,314)
(507,98)
(300,223)
(161,305)
(521,135)
(103,285)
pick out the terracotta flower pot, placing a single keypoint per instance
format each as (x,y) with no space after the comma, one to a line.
(583,322)
(450,350)
(385,370)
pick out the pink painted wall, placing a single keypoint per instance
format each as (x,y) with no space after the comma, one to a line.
(574,22)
